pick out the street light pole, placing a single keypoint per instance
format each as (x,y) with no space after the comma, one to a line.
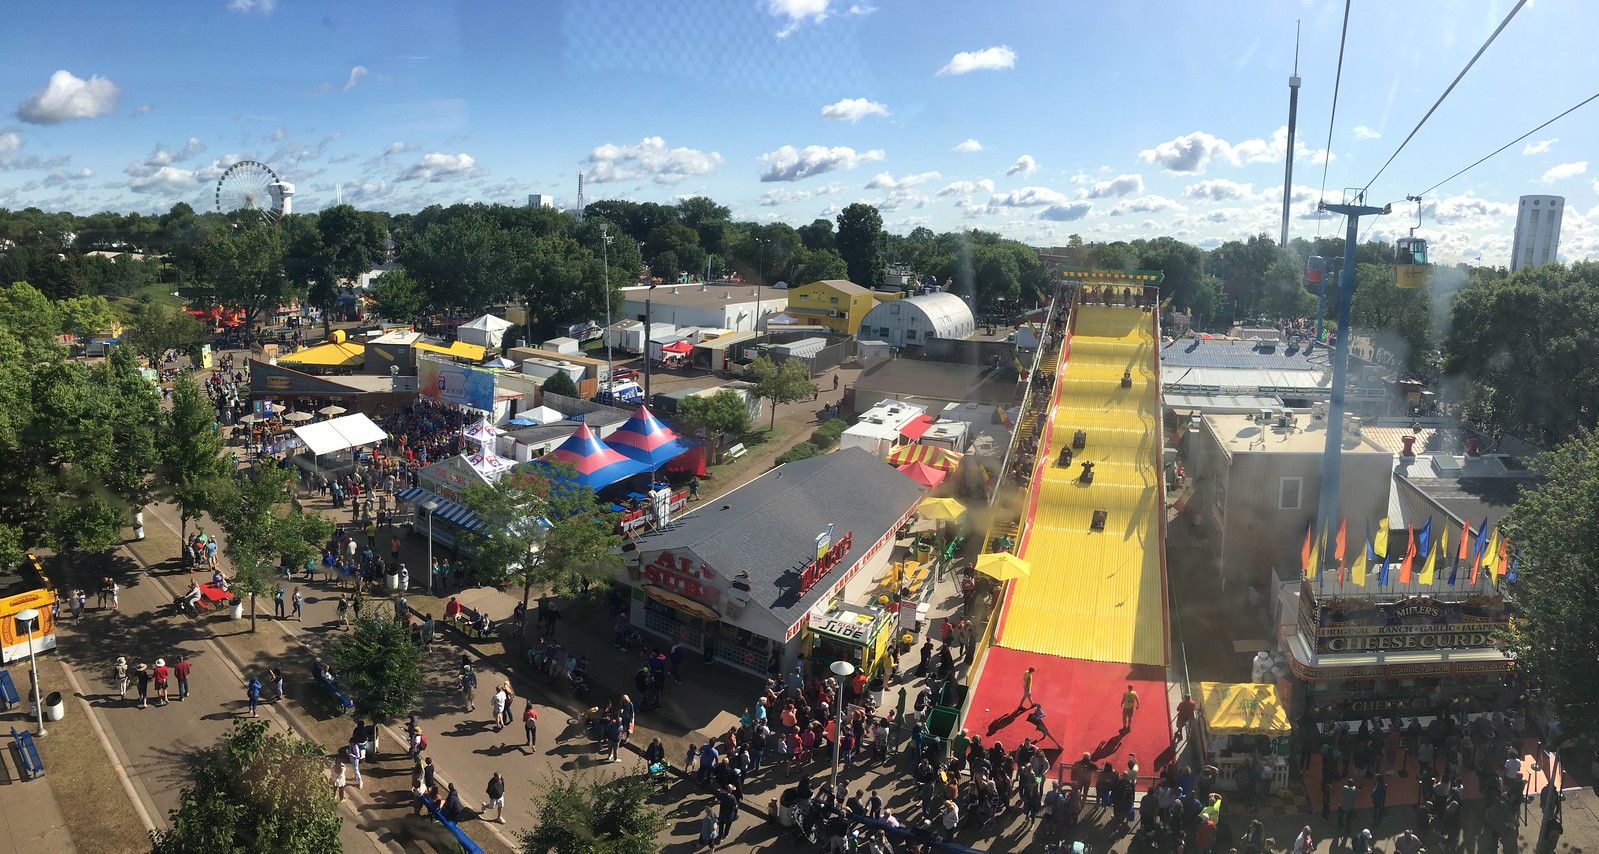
(649,328)
(430,505)
(843,670)
(605,258)
(29,616)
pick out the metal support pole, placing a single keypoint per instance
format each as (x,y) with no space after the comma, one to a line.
(605,258)
(1331,462)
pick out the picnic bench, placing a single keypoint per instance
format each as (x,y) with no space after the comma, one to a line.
(733,452)
(8,691)
(345,704)
(32,766)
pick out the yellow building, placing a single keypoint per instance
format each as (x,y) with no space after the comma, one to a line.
(838,304)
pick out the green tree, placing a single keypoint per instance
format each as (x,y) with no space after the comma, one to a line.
(396,296)
(264,531)
(713,415)
(84,316)
(559,383)
(157,329)
(1554,634)
(33,319)
(819,235)
(192,470)
(860,229)
(1522,345)
(597,814)
(381,665)
(255,791)
(246,269)
(463,259)
(785,383)
(539,530)
(818,265)
(1399,320)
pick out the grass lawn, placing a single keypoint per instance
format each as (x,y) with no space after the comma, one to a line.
(78,773)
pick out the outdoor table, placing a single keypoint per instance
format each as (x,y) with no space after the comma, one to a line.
(637,496)
(209,593)
(617,508)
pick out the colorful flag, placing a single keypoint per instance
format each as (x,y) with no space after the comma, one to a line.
(1313,569)
(1005,419)
(1338,554)
(1379,543)
(1478,549)
(1305,550)
(1424,539)
(1514,573)
(1502,566)
(1410,555)
(1357,573)
(1432,556)
(1491,557)
(1167,301)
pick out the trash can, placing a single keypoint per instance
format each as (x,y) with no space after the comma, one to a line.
(393,581)
(237,611)
(54,708)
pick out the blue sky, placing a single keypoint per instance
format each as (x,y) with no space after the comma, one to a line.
(1035,119)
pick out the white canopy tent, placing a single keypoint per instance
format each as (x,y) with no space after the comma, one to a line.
(485,331)
(340,434)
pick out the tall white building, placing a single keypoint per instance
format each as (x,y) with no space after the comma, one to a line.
(538,200)
(1537,231)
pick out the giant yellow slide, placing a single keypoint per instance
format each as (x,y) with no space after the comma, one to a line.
(1098,594)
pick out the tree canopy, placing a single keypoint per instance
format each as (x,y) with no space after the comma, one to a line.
(381,665)
(539,530)
(255,791)
(787,382)
(595,814)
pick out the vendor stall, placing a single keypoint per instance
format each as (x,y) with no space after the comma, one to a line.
(850,633)
(1239,723)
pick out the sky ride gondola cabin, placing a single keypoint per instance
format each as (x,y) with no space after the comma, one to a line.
(1410,262)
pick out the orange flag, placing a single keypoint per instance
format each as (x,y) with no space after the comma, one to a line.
(1503,566)
(1339,554)
(1465,541)
(1410,555)
(1304,551)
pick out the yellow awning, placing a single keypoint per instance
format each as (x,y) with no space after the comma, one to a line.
(459,349)
(334,354)
(1242,709)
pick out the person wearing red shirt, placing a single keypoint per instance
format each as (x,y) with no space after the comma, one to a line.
(161,675)
(181,670)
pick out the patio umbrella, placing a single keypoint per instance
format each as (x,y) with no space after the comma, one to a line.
(1003,566)
(331,411)
(923,474)
(251,419)
(941,509)
(298,416)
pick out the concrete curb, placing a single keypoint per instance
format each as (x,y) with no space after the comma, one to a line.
(110,752)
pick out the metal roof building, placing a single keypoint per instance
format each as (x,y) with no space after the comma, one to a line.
(918,319)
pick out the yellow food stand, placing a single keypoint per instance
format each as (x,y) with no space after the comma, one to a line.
(1239,719)
(850,633)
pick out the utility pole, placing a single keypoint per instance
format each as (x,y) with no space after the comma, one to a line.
(1288,156)
(605,257)
(1331,464)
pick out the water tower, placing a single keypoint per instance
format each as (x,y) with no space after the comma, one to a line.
(285,194)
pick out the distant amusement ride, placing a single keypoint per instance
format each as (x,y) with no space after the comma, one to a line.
(251,186)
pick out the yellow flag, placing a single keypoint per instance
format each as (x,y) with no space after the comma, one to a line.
(1490,559)
(1357,572)
(1379,543)
(1313,568)
(1432,557)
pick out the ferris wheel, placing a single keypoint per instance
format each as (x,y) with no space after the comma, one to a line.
(251,186)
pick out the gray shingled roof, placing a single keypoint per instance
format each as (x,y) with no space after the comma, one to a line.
(1195,353)
(768,527)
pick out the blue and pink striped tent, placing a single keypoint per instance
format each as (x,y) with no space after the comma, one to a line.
(597,464)
(645,439)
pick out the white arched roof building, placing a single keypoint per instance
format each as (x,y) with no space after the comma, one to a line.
(917,319)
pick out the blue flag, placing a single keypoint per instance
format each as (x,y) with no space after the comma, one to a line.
(1382,574)
(1424,540)
(1514,572)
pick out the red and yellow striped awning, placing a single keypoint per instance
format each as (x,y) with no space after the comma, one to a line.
(931,456)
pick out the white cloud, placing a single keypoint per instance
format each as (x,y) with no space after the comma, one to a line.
(279,134)
(67,97)
(62,176)
(1190,154)
(853,110)
(886,181)
(398,147)
(1121,185)
(1023,166)
(970,146)
(797,12)
(1219,190)
(245,7)
(988,59)
(1539,147)
(144,108)
(10,143)
(1363,132)
(1027,197)
(793,164)
(966,188)
(1564,171)
(438,166)
(166,180)
(649,159)
(1067,212)
(356,73)
(1463,209)
(1145,204)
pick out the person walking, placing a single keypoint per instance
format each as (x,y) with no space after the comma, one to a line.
(339,781)
(1379,800)
(252,692)
(278,601)
(299,602)
(468,684)
(530,722)
(1346,809)
(726,810)
(275,675)
(676,659)
(344,612)
(181,670)
(143,678)
(119,672)
(500,698)
(1129,705)
(162,674)
(496,793)
(1027,690)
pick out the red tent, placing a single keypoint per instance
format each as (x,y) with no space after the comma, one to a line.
(923,474)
